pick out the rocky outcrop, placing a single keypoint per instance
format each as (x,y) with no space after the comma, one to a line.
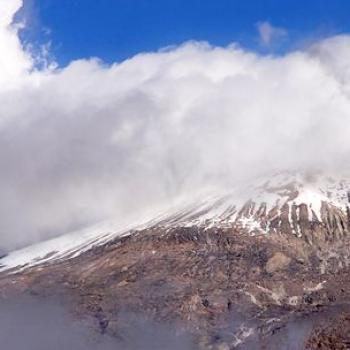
(277,262)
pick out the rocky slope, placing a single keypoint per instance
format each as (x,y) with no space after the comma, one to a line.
(265,266)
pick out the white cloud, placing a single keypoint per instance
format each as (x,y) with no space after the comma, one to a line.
(269,33)
(14,62)
(92,141)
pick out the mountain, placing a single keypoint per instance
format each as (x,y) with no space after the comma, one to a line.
(284,203)
(311,207)
(250,267)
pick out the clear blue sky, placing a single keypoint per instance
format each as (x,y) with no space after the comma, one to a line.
(116,29)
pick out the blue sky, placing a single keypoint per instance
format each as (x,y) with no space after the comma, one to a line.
(116,29)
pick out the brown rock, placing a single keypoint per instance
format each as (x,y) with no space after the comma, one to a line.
(122,283)
(278,262)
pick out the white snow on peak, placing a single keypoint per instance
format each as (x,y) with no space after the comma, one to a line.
(241,207)
(68,245)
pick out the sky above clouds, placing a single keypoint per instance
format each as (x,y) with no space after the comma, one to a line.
(114,30)
(86,140)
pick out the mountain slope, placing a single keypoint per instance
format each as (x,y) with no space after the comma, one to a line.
(310,207)
(253,267)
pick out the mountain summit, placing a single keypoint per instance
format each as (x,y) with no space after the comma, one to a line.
(288,203)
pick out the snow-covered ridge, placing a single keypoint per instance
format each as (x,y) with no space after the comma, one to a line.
(280,202)
(249,205)
(68,245)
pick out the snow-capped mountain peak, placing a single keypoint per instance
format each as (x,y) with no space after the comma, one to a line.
(307,206)
(268,204)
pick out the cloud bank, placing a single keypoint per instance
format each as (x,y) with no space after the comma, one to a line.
(41,324)
(90,141)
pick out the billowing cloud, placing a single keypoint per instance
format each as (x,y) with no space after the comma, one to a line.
(14,62)
(90,141)
(269,33)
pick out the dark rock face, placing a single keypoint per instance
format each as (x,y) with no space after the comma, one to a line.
(227,289)
(335,335)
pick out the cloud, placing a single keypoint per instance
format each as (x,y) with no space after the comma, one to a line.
(45,323)
(269,34)
(14,61)
(92,141)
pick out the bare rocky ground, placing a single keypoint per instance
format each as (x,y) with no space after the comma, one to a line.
(228,290)
(334,335)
